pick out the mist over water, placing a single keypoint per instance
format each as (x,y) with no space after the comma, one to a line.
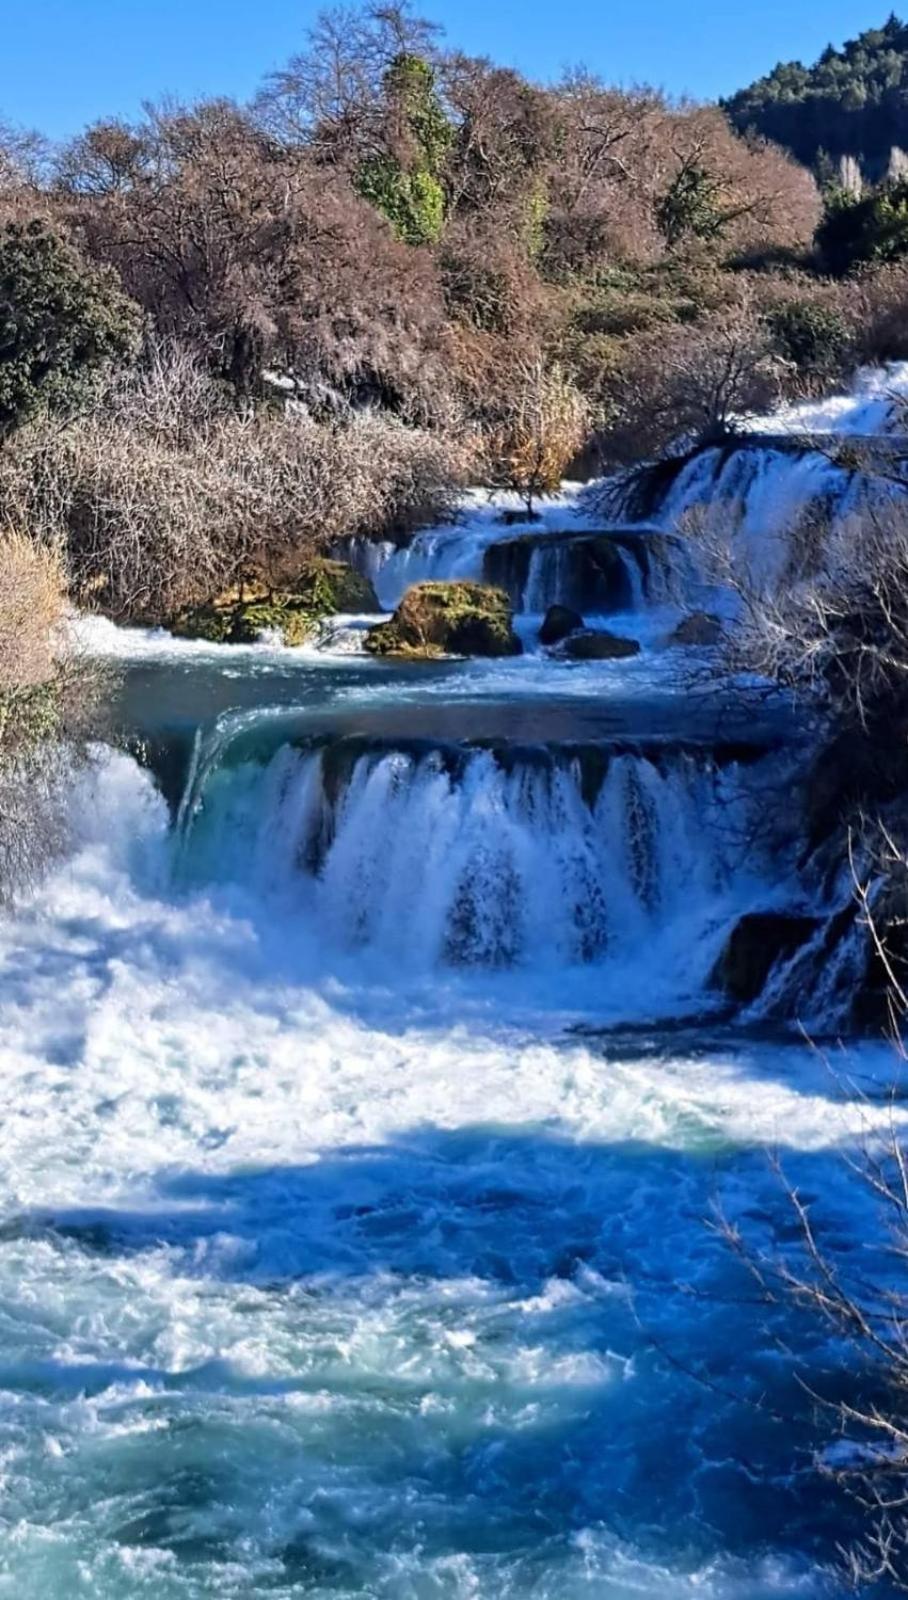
(364,1100)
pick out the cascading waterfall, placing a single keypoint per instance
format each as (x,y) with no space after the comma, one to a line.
(488,858)
(768,507)
(767,493)
(361,1113)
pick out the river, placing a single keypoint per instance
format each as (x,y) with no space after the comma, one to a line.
(364,1106)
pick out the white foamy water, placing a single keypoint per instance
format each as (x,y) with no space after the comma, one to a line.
(457,549)
(343,1252)
(319,1280)
(874,405)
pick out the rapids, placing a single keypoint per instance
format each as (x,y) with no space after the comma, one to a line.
(364,1102)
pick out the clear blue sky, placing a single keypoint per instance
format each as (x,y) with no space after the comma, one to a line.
(66,62)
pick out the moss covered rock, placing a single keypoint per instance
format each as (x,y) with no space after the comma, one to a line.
(244,613)
(433,619)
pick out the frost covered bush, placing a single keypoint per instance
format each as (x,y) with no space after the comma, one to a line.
(168,491)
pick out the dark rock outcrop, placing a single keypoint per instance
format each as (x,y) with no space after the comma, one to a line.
(598,645)
(557,623)
(755,944)
(699,628)
(589,571)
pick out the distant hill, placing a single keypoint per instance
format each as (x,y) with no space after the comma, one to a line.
(852,102)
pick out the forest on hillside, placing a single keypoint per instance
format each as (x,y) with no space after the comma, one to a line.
(852,102)
(450,272)
(395,224)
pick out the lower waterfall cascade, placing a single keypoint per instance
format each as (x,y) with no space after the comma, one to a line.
(369,1096)
(488,858)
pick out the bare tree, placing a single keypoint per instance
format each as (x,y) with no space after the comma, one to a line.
(690,382)
(545,425)
(330,97)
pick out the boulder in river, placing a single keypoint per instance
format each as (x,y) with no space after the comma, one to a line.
(456,618)
(557,623)
(597,644)
(698,628)
(757,941)
(242,614)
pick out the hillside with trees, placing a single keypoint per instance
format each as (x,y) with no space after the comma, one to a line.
(398,225)
(852,102)
(400,268)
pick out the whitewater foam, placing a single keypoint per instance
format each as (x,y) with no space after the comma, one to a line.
(309,1283)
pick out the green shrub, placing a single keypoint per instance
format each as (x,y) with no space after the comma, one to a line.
(872,229)
(813,337)
(403,181)
(60,322)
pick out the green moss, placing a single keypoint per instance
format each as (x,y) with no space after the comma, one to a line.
(433,619)
(242,614)
(404,181)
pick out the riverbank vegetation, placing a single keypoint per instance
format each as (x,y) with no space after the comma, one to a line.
(522,276)
(46,701)
(392,225)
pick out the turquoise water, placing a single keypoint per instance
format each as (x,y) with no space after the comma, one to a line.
(341,1259)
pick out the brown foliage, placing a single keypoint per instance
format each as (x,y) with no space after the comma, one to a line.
(167,493)
(545,425)
(31,608)
(257,254)
(46,698)
(687,382)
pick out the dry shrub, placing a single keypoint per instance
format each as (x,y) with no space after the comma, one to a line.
(546,424)
(682,384)
(45,699)
(31,606)
(876,303)
(168,492)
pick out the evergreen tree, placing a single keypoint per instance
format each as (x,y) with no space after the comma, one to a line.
(60,321)
(404,180)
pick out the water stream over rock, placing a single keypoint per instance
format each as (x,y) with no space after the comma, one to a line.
(366,1090)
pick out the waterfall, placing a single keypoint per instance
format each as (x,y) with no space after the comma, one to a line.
(446,855)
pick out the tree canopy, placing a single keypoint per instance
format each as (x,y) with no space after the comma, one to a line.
(851,102)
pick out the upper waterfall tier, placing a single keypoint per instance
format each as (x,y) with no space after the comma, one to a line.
(627,543)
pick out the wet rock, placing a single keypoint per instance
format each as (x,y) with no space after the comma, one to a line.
(590,571)
(457,618)
(557,623)
(755,944)
(242,614)
(516,519)
(594,644)
(857,771)
(699,628)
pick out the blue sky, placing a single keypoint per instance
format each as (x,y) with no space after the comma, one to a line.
(66,62)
